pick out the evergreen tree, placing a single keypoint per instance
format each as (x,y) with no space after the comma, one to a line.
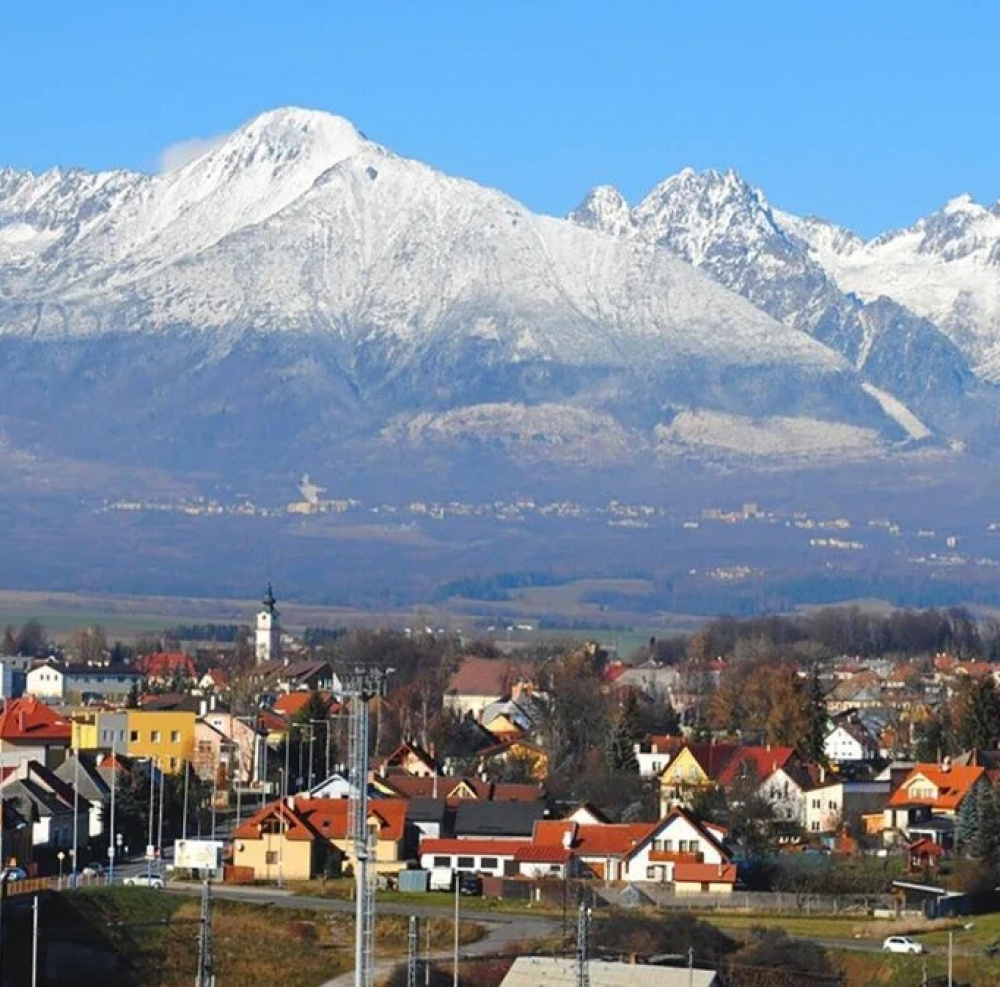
(620,753)
(986,844)
(815,740)
(979,720)
(933,738)
(967,822)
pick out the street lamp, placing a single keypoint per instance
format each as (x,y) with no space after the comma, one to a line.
(61,856)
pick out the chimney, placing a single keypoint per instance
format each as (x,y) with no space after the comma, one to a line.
(822,774)
(946,764)
(202,707)
(211,701)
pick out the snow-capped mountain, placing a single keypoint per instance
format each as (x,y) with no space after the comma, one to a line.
(946,267)
(725,227)
(299,287)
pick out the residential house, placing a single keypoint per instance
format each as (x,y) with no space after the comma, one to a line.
(527,759)
(695,767)
(654,754)
(80,772)
(99,729)
(835,801)
(264,842)
(167,668)
(297,676)
(455,789)
(482,681)
(51,679)
(166,736)
(775,774)
(14,675)
(48,802)
(497,858)
(928,800)
(848,741)
(237,741)
(32,731)
(411,759)
(602,850)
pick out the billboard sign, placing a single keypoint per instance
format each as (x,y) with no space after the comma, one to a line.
(202,855)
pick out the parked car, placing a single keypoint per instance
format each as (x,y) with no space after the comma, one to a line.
(142,881)
(93,869)
(902,944)
(9,874)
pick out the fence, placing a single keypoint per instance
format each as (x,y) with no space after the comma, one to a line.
(560,893)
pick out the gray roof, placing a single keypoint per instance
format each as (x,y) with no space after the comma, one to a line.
(428,810)
(92,785)
(475,818)
(547,971)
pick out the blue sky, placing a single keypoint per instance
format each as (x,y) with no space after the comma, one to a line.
(870,114)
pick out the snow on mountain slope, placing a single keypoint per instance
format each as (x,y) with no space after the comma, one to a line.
(946,267)
(355,289)
(118,227)
(727,228)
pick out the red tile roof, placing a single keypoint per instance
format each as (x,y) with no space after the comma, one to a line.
(166,664)
(410,786)
(492,848)
(593,840)
(28,720)
(761,762)
(535,854)
(953,783)
(291,823)
(488,677)
(331,816)
(290,703)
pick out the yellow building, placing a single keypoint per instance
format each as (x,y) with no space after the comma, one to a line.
(99,730)
(167,735)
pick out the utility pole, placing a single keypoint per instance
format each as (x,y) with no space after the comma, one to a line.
(149,841)
(412,951)
(690,966)
(454,951)
(111,834)
(159,836)
(76,813)
(184,815)
(583,947)
(362,687)
(206,976)
(34,941)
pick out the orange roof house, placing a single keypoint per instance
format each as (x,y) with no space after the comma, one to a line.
(30,730)
(941,788)
(165,666)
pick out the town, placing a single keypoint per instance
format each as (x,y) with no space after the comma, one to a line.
(838,767)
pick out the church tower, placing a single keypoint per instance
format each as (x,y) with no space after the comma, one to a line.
(268,636)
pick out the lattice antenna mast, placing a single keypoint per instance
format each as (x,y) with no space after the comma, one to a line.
(412,951)
(583,947)
(364,685)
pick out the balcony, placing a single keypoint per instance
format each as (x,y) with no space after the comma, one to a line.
(675,857)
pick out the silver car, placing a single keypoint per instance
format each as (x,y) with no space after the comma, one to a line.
(142,881)
(902,944)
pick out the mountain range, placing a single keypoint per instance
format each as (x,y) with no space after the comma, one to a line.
(299,295)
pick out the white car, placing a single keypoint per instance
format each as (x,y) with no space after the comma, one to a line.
(11,874)
(902,944)
(93,870)
(142,881)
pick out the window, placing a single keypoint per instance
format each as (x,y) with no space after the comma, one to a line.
(816,803)
(133,736)
(831,804)
(442,861)
(814,825)
(650,873)
(173,764)
(466,863)
(489,863)
(154,736)
(175,736)
(668,845)
(271,858)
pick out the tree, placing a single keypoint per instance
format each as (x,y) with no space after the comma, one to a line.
(978,719)
(813,746)
(91,644)
(9,645)
(986,843)
(967,822)
(31,640)
(933,738)
(620,753)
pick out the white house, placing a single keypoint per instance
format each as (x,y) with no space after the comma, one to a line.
(785,791)
(654,755)
(829,805)
(680,850)
(849,741)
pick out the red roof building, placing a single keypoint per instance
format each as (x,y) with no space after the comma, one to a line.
(166,666)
